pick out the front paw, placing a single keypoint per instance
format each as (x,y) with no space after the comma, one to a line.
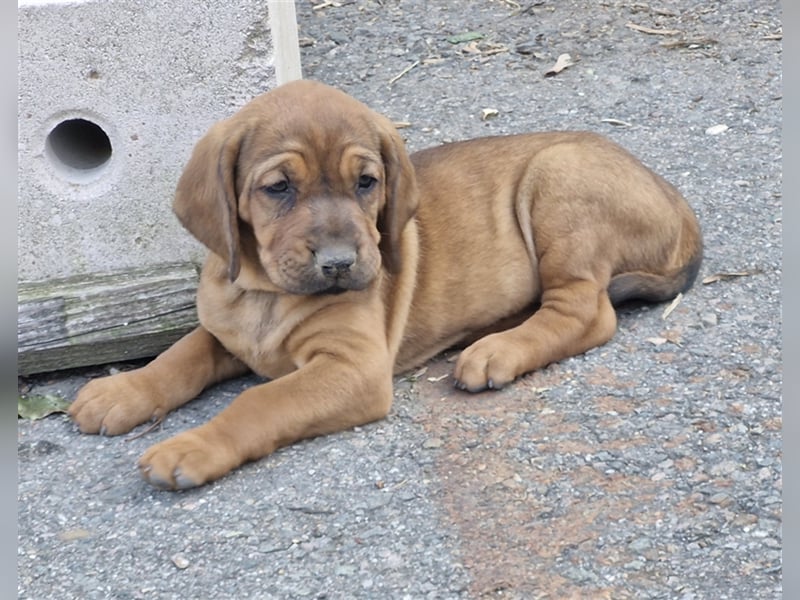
(188,460)
(489,363)
(114,405)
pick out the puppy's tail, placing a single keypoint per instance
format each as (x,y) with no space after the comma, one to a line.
(651,287)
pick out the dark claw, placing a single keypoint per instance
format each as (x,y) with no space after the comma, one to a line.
(103,430)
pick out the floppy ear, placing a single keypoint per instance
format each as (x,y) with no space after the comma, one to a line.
(401,195)
(206,197)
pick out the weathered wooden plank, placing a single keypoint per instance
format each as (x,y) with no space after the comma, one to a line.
(97,319)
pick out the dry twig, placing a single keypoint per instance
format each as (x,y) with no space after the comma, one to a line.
(403,72)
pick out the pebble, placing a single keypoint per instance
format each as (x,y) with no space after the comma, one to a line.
(339,38)
(634,565)
(709,319)
(725,468)
(579,574)
(721,499)
(180,561)
(527,47)
(640,544)
(717,129)
(345,570)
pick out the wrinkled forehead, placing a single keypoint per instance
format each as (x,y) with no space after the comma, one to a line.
(318,124)
(301,164)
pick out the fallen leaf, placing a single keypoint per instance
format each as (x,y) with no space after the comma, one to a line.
(657,341)
(465,37)
(39,406)
(673,337)
(564,61)
(731,275)
(70,535)
(489,112)
(650,30)
(668,311)
(490,49)
(471,48)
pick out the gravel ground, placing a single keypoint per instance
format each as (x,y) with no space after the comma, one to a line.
(648,468)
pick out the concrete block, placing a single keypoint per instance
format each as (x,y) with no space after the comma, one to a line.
(113,94)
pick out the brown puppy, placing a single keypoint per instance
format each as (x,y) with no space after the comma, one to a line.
(337,261)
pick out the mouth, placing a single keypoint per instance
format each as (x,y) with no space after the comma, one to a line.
(334,290)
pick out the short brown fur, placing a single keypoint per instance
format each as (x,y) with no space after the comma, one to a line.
(337,260)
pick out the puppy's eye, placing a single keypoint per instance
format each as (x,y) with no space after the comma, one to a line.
(281,188)
(366,183)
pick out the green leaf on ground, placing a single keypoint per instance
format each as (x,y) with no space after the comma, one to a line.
(40,405)
(465,37)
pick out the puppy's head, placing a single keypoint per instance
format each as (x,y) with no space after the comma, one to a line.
(307,182)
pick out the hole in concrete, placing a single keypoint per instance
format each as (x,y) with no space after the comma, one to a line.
(78,147)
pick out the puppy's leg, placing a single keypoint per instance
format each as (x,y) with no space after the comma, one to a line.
(574,316)
(116,404)
(324,396)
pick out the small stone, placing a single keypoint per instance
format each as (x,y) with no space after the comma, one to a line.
(578,574)
(717,129)
(634,565)
(432,443)
(724,468)
(180,561)
(709,319)
(338,38)
(720,498)
(345,570)
(760,533)
(527,47)
(640,544)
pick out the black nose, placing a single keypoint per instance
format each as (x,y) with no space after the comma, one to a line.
(335,262)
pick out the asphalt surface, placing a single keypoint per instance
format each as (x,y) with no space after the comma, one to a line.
(648,468)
